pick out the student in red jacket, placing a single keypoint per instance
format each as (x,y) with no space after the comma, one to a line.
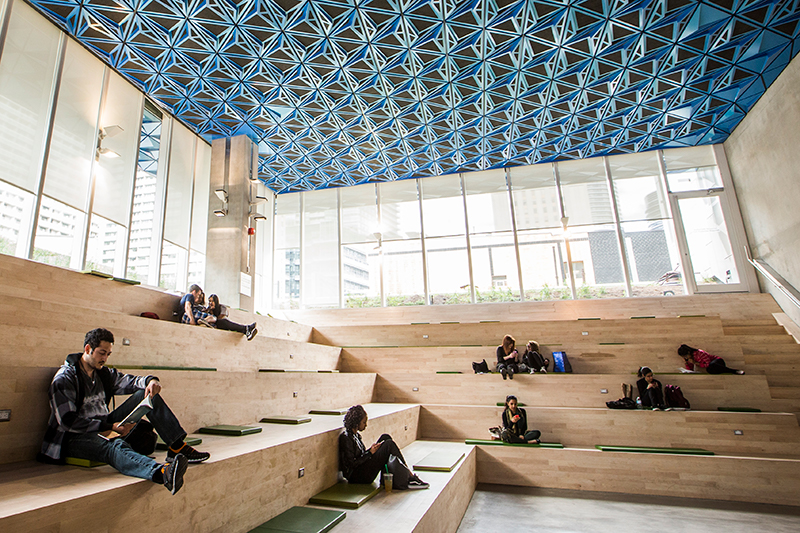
(712,363)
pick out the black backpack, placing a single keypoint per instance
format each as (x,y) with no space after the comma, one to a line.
(674,397)
(480,368)
(622,403)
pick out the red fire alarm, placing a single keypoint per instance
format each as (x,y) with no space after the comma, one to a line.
(251,231)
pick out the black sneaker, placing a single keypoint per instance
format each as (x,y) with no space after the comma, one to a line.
(504,372)
(173,473)
(192,456)
(250,332)
(416,483)
(510,373)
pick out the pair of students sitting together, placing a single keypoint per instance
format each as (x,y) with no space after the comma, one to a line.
(510,362)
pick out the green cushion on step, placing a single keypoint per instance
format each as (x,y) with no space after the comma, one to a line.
(335,412)
(346,495)
(232,431)
(482,442)
(739,409)
(86,463)
(280,419)
(441,461)
(154,367)
(302,520)
(448,372)
(97,273)
(502,404)
(646,449)
(128,281)
(191,441)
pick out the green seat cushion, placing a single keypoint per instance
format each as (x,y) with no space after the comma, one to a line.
(646,449)
(280,419)
(448,372)
(233,431)
(86,463)
(159,367)
(97,273)
(346,495)
(502,404)
(302,520)
(336,412)
(739,409)
(191,441)
(482,442)
(128,281)
(441,461)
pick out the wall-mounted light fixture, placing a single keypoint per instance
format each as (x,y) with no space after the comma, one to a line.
(221,212)
(258,216)
(108,131)
(259,200)
(222,194)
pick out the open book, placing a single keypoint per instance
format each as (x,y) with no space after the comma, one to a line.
(144,407)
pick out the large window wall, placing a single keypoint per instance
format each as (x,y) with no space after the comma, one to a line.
(626,225)
(94,176)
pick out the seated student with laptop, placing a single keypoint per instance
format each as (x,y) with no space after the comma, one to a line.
(79,397)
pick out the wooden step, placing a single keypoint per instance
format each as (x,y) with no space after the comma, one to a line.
(754,330)
(594,359)
(704,391)
(247,481)
(197,398)
(671,331)
(728,478)
(763,434)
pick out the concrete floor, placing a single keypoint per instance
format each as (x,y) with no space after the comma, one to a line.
(505,509)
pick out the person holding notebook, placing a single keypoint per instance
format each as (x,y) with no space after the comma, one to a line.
(81,425)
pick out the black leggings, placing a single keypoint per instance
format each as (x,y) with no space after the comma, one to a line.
(653,398)
(533,434)
(717,366)
(367,471)
(224,323)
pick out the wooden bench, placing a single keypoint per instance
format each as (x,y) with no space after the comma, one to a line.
(247,481)
(197,398)
(763,434)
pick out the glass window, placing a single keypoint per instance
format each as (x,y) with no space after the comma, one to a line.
(116,165)
(202,192)
(637,186)
(596,262)
(692,169)
(361,275)
(144,218)
(59,234)
(707,237)
(27,71)
(543,258)
(286,269)
(359,214)
(74,143)
(585,190)
(488,206)
(494,267)
(16,211)
(403,282)
(180,180)
(319,282)
(448,270)
(173,267)
(653,258)
(105,250)
(442,206)
(400,217)
(197,269)
(535,196)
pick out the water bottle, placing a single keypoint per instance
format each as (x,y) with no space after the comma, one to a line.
(638,402)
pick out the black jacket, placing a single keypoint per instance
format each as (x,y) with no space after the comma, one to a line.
(518,428)
(350,454)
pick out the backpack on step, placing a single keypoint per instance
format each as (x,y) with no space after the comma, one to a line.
(673,396)
(561,362)
(480,368)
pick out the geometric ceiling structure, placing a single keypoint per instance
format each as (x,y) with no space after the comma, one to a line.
(338,93)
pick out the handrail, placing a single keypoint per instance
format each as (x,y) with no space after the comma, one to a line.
(769,273)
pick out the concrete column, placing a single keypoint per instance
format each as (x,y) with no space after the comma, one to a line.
(230,251)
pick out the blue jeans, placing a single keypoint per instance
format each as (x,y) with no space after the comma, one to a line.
(117,452)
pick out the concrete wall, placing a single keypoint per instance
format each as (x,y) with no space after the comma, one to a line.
(764,157)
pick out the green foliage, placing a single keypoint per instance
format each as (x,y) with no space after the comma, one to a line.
(51,258)
(584,292)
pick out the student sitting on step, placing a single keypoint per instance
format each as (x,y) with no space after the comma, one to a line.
(193,311)
(360,464)
(712,363)
(515,421)
(651,392)
(533,359)
(221,321)
(79,397)
(507,357)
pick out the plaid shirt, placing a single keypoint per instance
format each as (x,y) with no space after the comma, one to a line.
(65,416)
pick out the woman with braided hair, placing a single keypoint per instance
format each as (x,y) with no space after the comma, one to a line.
(360,464)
